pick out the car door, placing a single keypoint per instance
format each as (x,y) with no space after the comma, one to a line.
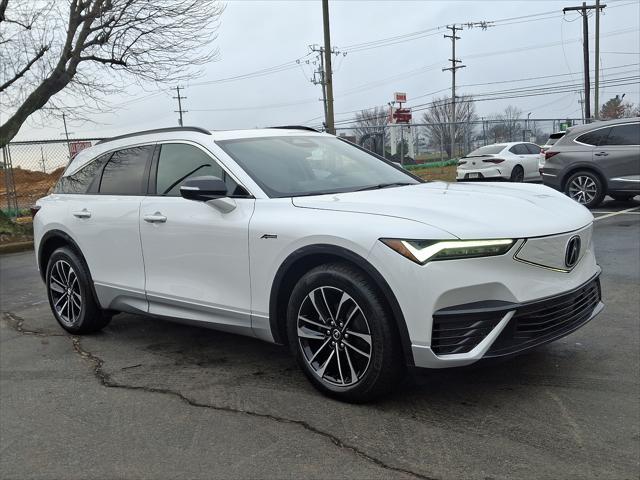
(105,221)
(531,170)
(196,254)
(618,156)
(521,153)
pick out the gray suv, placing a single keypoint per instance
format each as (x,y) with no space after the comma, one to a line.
(594,160)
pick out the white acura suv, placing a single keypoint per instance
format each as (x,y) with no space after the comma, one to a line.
(300,238)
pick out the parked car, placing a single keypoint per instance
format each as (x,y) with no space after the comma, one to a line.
(299,238)
(553,138)
(595,160)
(516,162)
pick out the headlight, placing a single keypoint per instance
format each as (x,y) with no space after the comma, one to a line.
(423,251)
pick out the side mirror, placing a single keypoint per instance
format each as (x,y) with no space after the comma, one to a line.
(203,188)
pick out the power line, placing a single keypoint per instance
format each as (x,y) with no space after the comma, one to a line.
(540,90)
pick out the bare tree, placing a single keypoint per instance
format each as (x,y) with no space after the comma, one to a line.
(372,124)
(94,48)
(616,108)
(506,125)
(438,118)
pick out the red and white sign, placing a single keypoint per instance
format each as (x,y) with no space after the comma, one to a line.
(402,115)
(77,147)
(400,97)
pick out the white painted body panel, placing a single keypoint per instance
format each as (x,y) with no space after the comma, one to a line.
(197,262)
(467,210)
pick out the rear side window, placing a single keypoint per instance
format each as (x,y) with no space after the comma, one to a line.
(124,174)
(532,148)
(519,149)
(79,182)
(594,137)
(179,161)
(623,135)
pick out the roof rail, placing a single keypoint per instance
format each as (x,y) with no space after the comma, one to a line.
(157,130)
(297,127)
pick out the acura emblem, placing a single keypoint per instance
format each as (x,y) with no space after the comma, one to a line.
(573,251)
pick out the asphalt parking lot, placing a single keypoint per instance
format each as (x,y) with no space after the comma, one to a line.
(151,399)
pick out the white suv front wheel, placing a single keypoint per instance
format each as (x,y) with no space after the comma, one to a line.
(342,335)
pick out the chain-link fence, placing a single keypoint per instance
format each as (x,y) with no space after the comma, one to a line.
(29,169)
(418,143)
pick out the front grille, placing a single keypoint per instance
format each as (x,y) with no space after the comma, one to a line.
(546,320)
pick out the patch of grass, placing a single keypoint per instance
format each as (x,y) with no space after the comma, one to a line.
(446,173)
(12,232)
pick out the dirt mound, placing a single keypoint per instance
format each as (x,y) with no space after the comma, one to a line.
(30,185)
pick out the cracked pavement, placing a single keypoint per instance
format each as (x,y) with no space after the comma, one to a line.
(147,398)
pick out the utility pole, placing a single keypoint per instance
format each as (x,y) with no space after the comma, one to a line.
(320,79)
(454,66)
(44,166)
(180,110)
(328,77)
(581,102)
(596,92)
(320,75)
(584,9)
(66,133)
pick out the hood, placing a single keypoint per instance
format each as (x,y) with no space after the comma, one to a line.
(466,210)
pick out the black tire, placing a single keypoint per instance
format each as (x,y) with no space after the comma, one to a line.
(586,188)
(70,294)
(517,174)
(356,378)
(622,197)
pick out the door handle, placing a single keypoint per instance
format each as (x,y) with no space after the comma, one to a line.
(601,154)
(155,218)
(84,213)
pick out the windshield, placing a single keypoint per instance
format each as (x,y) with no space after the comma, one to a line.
(307,165)
(487,150)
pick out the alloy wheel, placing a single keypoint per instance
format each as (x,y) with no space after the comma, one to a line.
(64,288)
(334,336)
(583,189)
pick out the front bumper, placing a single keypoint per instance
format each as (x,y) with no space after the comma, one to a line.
(498,291)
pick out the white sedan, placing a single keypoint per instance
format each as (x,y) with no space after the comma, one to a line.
(515,161)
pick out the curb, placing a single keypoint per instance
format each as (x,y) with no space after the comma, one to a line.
(16,247)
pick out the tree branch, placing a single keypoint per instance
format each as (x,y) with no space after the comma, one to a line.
(39,54)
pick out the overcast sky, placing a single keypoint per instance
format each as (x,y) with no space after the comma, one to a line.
(258,35)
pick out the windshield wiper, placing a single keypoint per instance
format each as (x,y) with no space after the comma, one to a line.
(384,185)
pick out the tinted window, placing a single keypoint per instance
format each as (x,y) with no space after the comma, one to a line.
(79,182)
(519,149)
(124,174)
(623,135)
(594,137)
(533,148)
(487,150)
(179,162)
(286,166)
(554,137)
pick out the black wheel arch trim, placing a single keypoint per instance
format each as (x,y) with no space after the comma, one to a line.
(278,326)
(74,246)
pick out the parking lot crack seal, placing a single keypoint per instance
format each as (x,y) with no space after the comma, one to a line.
(105,379)
(17,323)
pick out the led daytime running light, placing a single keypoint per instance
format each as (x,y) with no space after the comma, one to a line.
(408,248)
